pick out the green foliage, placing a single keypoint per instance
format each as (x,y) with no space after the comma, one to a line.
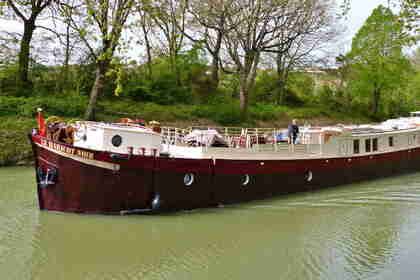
(15,147)
(414,86)
(161,89)
(378,67)
(265,112)
(327,97)
(224,114)
(8,78)
(229,85)
(302,84)
(50,80)
(266,87)
(10,105)
(299,88)
(66,106)
(168,85)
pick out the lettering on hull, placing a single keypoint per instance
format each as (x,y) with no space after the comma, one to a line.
(68,150)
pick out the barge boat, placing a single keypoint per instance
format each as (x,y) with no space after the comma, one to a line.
(124,168)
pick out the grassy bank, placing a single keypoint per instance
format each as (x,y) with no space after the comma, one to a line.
(14,144)
(17,117)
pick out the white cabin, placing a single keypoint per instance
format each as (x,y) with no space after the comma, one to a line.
(117,138)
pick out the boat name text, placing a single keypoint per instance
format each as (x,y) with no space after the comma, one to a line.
(67,150)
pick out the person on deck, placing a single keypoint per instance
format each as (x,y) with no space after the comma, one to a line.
(293,131)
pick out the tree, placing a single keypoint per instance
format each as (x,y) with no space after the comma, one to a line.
(415,59)
(377,63)
(9,49)
(69,42)
(409,15)
(28,12)
(145,23)
(275,26)
(100,21)
(313,31)
(260,25)
(169,16)
(209,26)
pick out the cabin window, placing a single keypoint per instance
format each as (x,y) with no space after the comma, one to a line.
(116,140)
(356,146)
(391,141)
(367,145)
(375,144)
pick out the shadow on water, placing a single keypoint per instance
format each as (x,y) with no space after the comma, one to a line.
(360,231)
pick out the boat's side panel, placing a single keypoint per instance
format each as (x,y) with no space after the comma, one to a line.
(107,187)
(100,182)
(241,180)
(267,178)
(184,183)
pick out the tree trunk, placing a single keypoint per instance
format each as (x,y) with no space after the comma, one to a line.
(173,56)
(97,89)
(67,58)
(247,82)
(216,62)
(376,100)
(148,51)
(25,46)
(283,75)
(215,73)
(281,91)
(243,101)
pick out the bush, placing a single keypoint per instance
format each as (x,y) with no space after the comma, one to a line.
(266,88)
(69,106)
(327,98)
(8,79)
(265,112)
(291,98)
(10,105)
(224,114)
(15,147)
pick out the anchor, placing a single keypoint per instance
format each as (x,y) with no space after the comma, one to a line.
(47,178)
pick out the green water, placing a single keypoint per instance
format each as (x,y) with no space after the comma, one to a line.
(361,231)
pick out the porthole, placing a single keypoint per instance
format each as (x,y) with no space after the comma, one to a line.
(245,180)
(188,179)
(116,140)
(308,176)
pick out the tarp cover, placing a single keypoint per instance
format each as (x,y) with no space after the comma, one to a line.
(208,137)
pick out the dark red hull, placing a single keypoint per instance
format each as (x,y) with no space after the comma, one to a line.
(100,182)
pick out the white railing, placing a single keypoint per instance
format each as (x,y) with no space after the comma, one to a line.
(173,135)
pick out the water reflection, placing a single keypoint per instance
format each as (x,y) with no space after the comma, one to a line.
(364,231)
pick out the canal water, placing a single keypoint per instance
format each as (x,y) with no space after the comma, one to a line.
(369,230)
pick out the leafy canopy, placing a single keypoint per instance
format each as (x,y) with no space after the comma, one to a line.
(377,62)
